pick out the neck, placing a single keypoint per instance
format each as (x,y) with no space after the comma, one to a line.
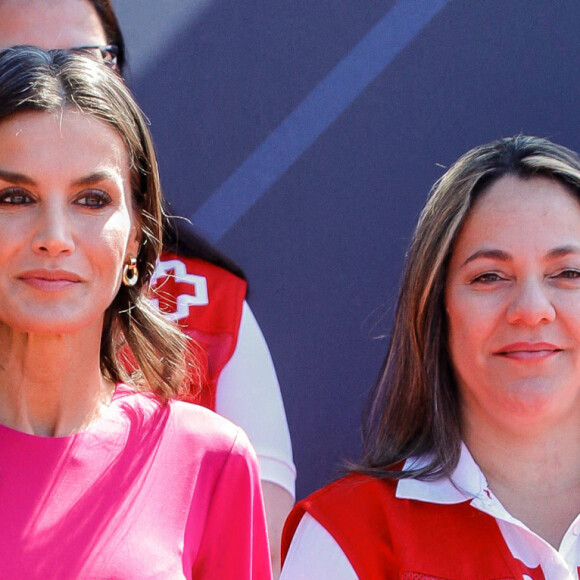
(538,445)
(533,469)
(51,384)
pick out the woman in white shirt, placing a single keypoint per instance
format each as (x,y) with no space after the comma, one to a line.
(471,465)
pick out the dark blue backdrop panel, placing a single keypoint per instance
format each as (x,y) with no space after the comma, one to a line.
(323,247)
(227,82)
(313,116)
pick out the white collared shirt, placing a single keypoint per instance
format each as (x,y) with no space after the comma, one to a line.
(314,554)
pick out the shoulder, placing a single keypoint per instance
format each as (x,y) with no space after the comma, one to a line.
(314,553)
(355,511)
(335,505)
(352,487)
(205,433)
(337,500)
(214,451)
(182,427)
(195,421)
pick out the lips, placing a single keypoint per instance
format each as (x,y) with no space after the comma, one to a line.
(50,280)
(528,350)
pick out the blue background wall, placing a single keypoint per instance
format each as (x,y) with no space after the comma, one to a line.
(303,138)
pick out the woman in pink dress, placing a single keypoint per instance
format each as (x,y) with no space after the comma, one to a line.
(239,378)
(103,475)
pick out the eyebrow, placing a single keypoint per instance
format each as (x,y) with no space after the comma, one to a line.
(492,254)
(13,177)
(563,251)
(96,177)
(489,254)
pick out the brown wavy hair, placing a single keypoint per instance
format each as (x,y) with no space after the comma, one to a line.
(32,79)
(414,407)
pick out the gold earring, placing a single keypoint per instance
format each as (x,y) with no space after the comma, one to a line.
(130,273)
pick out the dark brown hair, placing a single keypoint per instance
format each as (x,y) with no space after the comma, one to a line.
(32,79)
(413,409)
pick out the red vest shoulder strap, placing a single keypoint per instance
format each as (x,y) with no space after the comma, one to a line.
(206,301)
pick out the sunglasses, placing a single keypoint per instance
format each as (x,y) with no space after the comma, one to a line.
(106,53)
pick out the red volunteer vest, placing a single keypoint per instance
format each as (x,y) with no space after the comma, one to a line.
(206,301)
(387,538)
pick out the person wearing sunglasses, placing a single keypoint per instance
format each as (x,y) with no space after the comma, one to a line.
(239,378)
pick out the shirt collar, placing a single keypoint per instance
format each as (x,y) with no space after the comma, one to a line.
(467,482)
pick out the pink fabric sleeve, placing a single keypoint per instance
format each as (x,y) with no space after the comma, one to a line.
(235,541)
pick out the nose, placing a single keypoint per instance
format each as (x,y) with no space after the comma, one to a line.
(530,304)
(54,234)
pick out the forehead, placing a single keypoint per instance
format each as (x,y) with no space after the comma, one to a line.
(61,141)
(523,213)
(515,198)
(50,24)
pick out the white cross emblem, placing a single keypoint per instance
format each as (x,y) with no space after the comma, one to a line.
(183,301)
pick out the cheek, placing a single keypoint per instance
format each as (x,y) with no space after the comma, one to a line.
(119,227)
(459,327)
(466,323)
(455,310)
(459,345)
(115,237)
(462,350)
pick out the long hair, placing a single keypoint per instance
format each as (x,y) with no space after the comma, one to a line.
(180,237)
(413,408)
(32,79)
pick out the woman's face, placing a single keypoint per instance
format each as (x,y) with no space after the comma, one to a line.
(513,304)
(66,222)
(50,24)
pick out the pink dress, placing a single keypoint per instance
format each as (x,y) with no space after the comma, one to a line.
(147,491)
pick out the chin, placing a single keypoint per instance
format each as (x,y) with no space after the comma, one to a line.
(536,399)
(53,324)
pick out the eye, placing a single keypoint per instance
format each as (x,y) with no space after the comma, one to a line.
(486,278)
(93,199)
(568,274)
(14,196)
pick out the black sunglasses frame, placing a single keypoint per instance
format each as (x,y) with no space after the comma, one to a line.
(109,52)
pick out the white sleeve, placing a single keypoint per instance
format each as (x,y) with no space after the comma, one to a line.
(315,555)
(248,394)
